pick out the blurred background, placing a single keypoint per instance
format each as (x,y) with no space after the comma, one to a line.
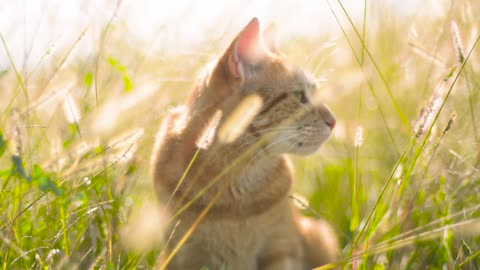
(32,28)
(84,86)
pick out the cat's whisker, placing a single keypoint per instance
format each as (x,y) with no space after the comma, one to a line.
(299,139)
(288,124)
(263,138)
(266,131)
(259,153)
(268,147)
(255,142)
(276,128)
(252,137)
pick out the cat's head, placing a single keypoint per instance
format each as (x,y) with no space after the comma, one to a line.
(290,120)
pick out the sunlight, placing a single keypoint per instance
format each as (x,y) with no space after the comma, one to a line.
(34,28)
(125,141)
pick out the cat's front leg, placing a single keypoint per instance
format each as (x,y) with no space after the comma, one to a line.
(192,256)
(283,252)
(281,262)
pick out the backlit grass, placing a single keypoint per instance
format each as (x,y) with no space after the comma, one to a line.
(399,179)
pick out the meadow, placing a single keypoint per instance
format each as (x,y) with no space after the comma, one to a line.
(399,179)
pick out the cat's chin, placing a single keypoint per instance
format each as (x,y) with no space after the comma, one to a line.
(304,150)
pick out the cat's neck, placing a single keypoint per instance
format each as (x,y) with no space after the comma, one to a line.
(249,157)
(245,168)
(255,175)
(253,190)
(251,184)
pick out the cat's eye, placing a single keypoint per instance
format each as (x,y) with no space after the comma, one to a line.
(301,96)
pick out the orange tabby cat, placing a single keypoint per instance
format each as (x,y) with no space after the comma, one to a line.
(234,194)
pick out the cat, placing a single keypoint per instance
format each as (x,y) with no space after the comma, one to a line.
(232,197)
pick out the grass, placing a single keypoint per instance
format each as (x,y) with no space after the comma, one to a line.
(76,135)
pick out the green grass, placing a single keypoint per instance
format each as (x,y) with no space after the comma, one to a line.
(75,175)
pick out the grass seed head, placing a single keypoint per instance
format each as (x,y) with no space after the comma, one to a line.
(126,139)
(240,118)
(457,42)
(15,133)
(429,112)
(450,123)
(358,136)
(208,134)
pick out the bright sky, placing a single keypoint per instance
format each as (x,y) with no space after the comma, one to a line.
(32,27)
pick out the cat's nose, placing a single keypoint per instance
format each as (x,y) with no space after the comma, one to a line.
(326,116)
(330,122)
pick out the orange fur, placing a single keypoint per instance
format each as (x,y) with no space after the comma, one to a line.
(251,224)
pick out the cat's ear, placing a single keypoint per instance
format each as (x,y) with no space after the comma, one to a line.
(245,50)
(270,38)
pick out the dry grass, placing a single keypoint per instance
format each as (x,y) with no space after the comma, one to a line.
(76,135)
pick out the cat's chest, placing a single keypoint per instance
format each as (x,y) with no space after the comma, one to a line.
(245,234)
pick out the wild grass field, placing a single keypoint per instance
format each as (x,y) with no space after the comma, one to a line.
(399,179)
